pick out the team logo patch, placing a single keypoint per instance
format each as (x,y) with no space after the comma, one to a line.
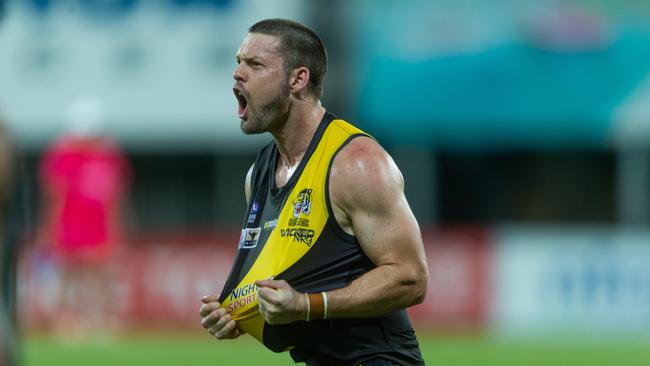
(253,214)
(302,203)
(249,237)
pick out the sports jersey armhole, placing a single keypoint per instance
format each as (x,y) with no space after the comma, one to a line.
(259,166)
(336,227)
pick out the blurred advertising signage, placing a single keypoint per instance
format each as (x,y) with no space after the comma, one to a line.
(178,269)
(173,269)
(572,281)
(459,275)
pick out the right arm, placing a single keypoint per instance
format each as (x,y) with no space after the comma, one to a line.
(215,318)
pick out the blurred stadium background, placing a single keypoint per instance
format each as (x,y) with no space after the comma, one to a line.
(522,129)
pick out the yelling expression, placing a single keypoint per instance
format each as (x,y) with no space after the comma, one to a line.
(261,84)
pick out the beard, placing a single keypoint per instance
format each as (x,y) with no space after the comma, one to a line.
(267,117)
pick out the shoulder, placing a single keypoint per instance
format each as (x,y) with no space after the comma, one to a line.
(364,158)
(364,173)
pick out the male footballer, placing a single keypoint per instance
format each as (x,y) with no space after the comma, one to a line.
(330,254)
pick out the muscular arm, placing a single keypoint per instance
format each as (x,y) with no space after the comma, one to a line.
(367,194)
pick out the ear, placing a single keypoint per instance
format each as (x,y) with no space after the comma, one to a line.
(299,79)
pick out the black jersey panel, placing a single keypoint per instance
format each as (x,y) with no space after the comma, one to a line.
(352,341)
(329,265)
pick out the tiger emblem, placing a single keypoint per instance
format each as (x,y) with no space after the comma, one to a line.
(302,203)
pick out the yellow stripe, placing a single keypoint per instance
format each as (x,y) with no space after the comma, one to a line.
(282,251)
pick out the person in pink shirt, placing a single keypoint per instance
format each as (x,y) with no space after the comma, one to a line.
(84,177)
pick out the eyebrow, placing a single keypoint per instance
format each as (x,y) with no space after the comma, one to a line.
(248,59)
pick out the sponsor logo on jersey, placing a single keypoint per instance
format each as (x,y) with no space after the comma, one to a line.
(299,222)
(302,203)
(249,237)
(305,236)
(270,224)
(242,296)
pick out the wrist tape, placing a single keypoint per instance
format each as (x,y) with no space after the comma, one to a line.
(317,306)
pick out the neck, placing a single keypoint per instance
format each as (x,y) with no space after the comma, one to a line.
(293,138)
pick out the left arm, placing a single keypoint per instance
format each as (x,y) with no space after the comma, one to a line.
(367,194)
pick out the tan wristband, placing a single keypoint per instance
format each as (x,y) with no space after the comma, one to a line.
(316,306)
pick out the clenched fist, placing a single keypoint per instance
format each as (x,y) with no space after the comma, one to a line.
(280,303)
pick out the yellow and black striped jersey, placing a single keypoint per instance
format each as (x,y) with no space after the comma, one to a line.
(290,233)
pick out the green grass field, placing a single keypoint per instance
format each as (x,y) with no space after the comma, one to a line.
(187,350)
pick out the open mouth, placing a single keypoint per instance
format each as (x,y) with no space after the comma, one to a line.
(243,102)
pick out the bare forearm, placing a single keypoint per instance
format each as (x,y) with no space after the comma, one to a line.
(383,290)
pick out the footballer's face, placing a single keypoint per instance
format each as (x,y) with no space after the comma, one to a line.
(261,84)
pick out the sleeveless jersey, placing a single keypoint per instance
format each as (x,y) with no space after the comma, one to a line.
(290,233)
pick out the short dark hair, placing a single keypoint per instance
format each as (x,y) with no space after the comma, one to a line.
(299,46)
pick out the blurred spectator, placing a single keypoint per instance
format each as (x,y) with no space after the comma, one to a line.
(7,265)
(84,176)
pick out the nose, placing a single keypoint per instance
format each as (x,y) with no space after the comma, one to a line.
(238,74)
